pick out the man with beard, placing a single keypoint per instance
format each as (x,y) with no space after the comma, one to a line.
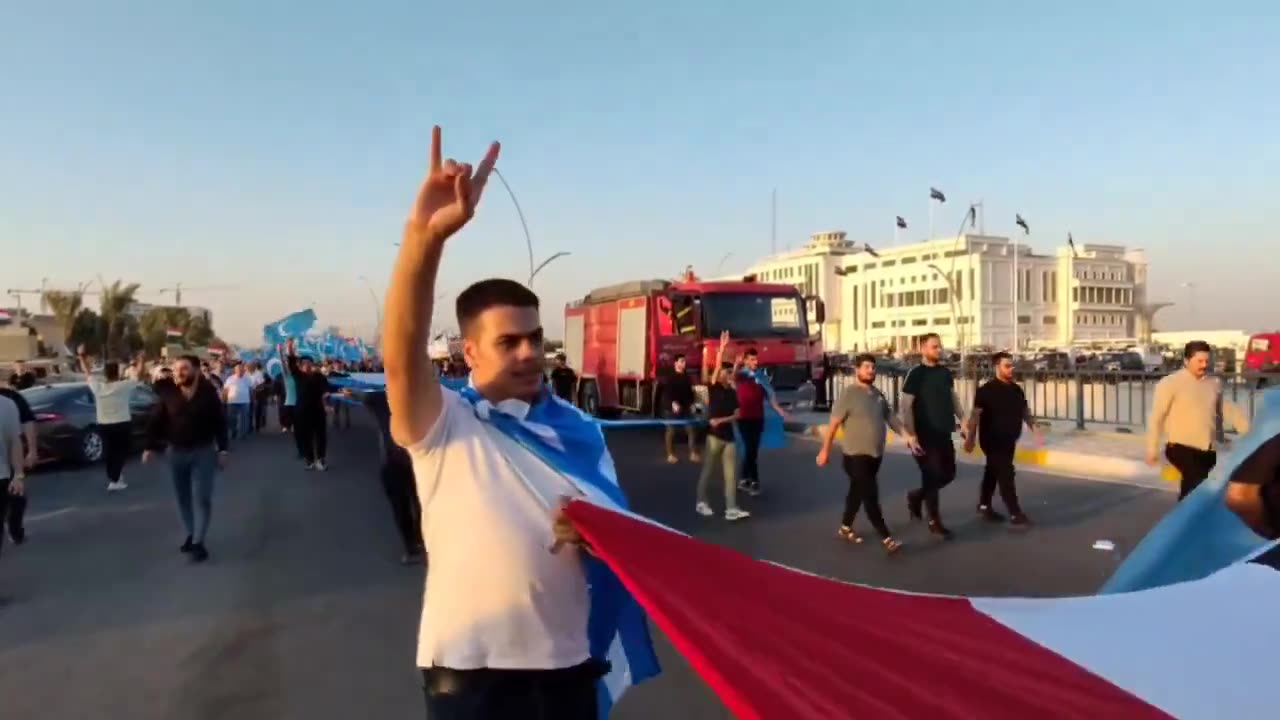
(504,631)
(930,409)
(190,422)
(999,411)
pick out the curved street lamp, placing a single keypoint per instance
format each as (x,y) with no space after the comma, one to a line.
(545,263)
(377,311)
(528,241)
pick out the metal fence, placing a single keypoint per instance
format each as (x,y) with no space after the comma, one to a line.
(1121,399)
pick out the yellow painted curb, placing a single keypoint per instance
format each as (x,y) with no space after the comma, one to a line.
(1029,456)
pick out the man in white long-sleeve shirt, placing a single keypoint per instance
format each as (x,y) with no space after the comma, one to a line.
(1187,411)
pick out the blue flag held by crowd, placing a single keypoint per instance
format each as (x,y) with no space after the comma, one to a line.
(293,325)
(1201,535)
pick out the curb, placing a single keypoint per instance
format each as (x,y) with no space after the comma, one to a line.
(1074,463)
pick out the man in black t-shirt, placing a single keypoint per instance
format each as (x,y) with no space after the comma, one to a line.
(675,402)
(721,454)
(1253,490)
(930,409)
(563,379)
(999,412)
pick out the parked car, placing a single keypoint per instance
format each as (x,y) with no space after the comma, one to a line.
(66,420)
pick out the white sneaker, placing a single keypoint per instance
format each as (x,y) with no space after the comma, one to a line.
(309,466)
(116,486)
(736,514)
(320,466)
(704,509)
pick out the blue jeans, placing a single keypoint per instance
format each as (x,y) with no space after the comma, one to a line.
(238,418)
(194,469)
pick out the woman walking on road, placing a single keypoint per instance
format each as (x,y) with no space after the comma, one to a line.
(111,395)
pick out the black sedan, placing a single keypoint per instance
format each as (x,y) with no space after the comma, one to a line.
(66,420)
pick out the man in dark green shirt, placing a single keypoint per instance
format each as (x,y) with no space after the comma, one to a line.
(930,410)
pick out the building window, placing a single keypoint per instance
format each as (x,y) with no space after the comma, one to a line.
(907,260)
(1049,320)
(942,321)
(973,287)
(919,322)
(888,263)
(1024,319)
(920,298)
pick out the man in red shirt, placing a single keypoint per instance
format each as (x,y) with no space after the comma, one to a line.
(751,399)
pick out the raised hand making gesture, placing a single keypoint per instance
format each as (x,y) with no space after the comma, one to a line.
(449,194)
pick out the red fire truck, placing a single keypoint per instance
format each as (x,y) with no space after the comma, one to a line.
(620,339)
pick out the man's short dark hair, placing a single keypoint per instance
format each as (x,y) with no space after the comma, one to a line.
(1002,355)
(751,352)
(486,294)
(1195,346)
(930,336)
(111,370)
(195,361)
(678,357)
(864,358)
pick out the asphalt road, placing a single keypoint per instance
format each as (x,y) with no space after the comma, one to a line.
(304,611)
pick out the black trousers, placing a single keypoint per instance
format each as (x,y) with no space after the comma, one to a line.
(1193,464)
(999,473)
(116,439)
(397,482)
(864,490)
(286,416)
(260,405)
(12,508)
(310,432)
(937,465)
(751,430)
(567,694)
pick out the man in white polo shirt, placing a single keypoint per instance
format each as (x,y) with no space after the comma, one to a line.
(504,619)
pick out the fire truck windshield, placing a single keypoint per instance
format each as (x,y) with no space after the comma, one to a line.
(753,315)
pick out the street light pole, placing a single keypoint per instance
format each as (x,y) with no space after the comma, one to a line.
(544,263)
(377,312)
(955,321)
(528,241)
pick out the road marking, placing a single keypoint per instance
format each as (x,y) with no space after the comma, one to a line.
(51,514)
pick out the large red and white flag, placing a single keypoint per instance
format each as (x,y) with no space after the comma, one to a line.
(779,644)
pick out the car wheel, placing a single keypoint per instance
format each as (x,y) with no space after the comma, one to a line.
(91,446)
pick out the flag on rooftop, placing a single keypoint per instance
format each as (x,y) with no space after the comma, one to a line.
(902,222)
(936,194)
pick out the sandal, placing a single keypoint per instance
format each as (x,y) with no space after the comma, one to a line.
(891,546)
(848,534)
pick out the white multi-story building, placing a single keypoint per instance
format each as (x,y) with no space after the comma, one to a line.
(962,288)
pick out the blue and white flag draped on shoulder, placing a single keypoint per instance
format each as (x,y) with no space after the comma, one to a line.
(1200,536)
(569,442)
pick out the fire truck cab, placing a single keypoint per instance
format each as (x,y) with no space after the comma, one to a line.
(622,339)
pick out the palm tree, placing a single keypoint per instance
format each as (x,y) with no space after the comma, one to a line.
(116,320)
(65,307)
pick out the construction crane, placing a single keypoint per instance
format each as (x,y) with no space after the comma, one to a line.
(17,293)
(179,287)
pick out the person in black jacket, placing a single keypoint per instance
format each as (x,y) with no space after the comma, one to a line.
(310,418)
(397,480)
(675,401)
(188,419)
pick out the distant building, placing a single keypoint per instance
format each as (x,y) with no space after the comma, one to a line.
(138,309)
(962,288)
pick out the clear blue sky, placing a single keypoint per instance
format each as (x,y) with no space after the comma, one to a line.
(274,146)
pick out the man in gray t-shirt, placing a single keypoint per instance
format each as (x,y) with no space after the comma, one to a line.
(11,457)
(864,414)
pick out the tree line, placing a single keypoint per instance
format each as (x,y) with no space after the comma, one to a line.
(112,331)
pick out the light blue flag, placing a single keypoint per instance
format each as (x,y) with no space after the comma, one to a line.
(1200,536)
(294,325)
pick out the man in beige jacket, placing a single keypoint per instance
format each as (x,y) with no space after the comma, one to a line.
(1187,411)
